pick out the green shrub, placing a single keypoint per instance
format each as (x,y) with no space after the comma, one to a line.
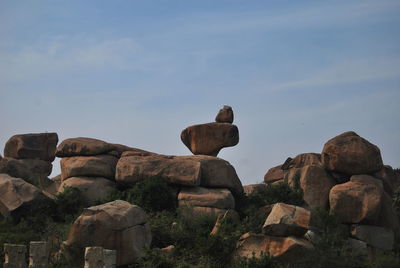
(68,204)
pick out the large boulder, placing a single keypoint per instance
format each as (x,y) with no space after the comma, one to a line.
(210,138)
(17,195)
(274,174)
(31,170)
(225,115)
(357,200)
(217,173)
(174,170)
(374,236)
(83,147)
(95,166)
(284,249)
(32,146)
(351,154)
(206,197)
(93,189)
(315,183)
(286,220)
(116,225)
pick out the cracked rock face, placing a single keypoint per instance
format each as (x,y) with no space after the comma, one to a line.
(116,225)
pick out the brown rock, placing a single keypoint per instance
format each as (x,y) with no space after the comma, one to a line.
(116,225)
(286,249)
(118,150)
(374,236)
(174,170)
(31,170)
(389,179)
(83,147)
(274,174)
(225,115)
(209,139)
(137,152)
(351,154)
(357,200)
(315,183)
(302,160)
(16,194)
(286,220)
(206,197)
(255,188)
(32,146)
(217,173)
(92,166)
(93,189)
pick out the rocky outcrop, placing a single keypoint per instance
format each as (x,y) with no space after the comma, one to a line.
(98,165)
(206,197)
(252,189)
(210,138)
(93,189)
(32,146)
(357,200)
(82,147)
(225,115)
(116,225)
(351,154)
(287,220)
(286,249)
(18,195)
(274,174)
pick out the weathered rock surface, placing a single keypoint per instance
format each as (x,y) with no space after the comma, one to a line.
(351,154)
(255,188)
(197,211)
(174,170)
(83,147)
(206,197)
(116,225)
(16,194)
(93,188)
(302,160)
(315,182)
(375,236)
(357,200)
(286,220)
(31,170)
(274,174)
(96,166)
(282,248)
(210,138)
(217,173)
(225,115)
(32,146)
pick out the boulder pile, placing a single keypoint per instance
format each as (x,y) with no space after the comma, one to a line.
(348,179)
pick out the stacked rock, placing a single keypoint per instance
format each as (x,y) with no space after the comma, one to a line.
(349,179)
(282,234)
(210,138)
(29,156)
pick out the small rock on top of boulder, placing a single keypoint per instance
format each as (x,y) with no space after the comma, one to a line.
(225,115)
(351,154)
(32,146)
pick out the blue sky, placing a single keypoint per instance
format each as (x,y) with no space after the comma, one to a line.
(296,73)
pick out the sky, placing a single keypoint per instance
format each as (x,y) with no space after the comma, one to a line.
(296,73)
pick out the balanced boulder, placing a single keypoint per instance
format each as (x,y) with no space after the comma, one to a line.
(93,189)
(116,225)
(351,154)
(83,147)
(357,200)
(98,165)
(286,220)
(225,115)
(32,146)
(210,138)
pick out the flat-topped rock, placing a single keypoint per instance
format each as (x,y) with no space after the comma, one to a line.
(210,138)
(83,147)
(32,146)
